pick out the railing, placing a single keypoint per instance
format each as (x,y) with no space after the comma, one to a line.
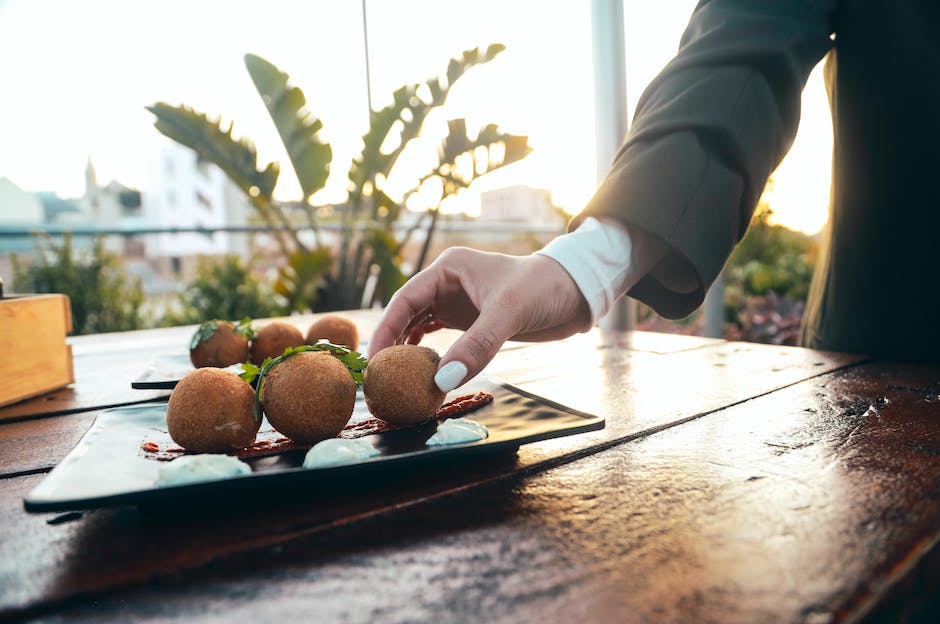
(20,231)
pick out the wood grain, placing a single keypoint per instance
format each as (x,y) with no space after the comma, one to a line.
(733,483)
(815,503)
(32,340)
(101,540)
(646,401)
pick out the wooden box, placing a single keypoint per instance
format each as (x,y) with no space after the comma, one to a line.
(34,357)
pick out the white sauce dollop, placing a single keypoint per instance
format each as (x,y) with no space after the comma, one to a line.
(458,431)
(339,451)
(195,468)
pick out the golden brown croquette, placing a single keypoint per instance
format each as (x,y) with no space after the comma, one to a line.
(272,339)
(336,329)
(222,348)
(212,411)
(309,396)
(399,384)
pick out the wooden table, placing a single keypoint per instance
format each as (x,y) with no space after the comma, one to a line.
(733,482)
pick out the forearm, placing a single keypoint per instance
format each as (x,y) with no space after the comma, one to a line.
(708,131)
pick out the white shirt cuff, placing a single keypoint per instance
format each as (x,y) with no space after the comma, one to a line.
(597,256)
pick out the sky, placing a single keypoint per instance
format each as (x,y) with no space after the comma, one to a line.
(77,77)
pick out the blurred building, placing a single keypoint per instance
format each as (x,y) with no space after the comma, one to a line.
(186,192)
(18,208)
(111,206)
(519,204)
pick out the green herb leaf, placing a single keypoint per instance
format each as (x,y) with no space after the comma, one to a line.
(354,362)
(249,372)
(245,329)
(203,333)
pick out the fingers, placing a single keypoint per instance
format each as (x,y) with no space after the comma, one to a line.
(438,288)
(418,332)
(474,350)
(410,302)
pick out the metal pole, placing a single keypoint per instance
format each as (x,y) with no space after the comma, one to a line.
(610,114)
(714,308)
(365,46)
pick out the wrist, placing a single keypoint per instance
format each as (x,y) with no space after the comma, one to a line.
(596,256)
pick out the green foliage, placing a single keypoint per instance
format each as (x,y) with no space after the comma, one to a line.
(298,281)
(354,362)
(236,157)
(772,258)
(245,329)
(207,329)
(103,296)
(204,332)
(297,127)
(224,288)
(368,250)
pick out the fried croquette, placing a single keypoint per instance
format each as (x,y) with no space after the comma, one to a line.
(212,411)
(272,339)
(309,396)
(217,344)
(335,329)
(399,384)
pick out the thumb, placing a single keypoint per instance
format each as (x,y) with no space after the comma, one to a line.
(473,350)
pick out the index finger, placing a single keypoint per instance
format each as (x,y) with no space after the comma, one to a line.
(411,300)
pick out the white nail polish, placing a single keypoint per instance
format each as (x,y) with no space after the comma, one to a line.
(450,375)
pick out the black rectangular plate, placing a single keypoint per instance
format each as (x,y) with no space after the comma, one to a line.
(106,468)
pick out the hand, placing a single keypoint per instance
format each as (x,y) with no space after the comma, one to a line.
(493,297)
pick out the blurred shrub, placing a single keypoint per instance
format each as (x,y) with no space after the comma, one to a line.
(104,297)
(769,319)
(767,279)
(224,288)
(771,258)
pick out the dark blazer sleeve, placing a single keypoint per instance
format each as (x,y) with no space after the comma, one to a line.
(706,135)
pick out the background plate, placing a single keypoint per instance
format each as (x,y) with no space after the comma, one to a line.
(164,372)
(107,468)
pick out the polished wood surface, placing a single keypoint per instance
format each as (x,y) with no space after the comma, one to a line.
(733,482)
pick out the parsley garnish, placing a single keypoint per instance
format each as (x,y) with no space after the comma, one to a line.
(203,333)
(354,362)
(245,329)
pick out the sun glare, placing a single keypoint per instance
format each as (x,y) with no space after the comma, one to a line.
(90,103)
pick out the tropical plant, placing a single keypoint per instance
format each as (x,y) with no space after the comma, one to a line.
(767,280)
(103,296)
(365,263)
(223,288)
(772,257)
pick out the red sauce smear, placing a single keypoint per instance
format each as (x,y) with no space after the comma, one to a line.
(270,442)
(464,405)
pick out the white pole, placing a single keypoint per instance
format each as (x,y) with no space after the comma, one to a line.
(610,114)
(714,308)
(365,46)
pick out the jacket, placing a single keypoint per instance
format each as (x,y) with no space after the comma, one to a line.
(716,122)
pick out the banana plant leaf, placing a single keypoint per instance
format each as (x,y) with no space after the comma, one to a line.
(300,280)
(236,157)
(385,256)
(297,126)
(458,144)
(408,110)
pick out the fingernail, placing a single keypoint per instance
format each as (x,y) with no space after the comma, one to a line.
(450,375)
